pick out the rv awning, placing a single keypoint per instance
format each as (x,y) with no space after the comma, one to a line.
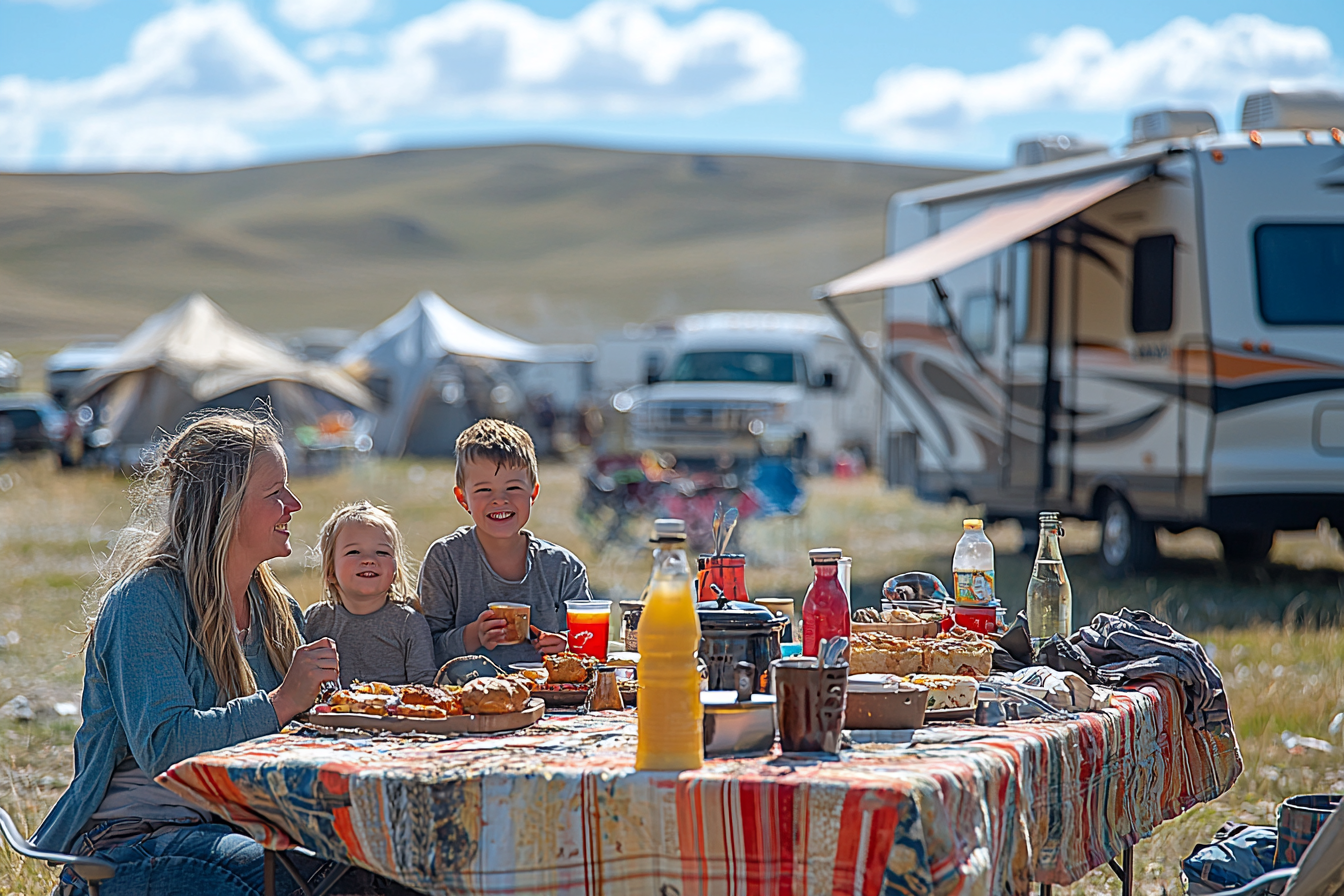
(991,230)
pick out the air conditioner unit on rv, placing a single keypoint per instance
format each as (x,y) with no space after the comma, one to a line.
(1167,124)
(1290,111)
(1059,146)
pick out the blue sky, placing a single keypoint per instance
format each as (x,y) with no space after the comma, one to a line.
(148,84)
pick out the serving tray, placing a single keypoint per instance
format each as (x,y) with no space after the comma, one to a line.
(482,723)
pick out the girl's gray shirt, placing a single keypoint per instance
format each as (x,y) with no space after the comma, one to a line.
(457,584)
(148,694)
(392,644)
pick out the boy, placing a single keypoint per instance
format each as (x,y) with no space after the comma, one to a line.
(497,559)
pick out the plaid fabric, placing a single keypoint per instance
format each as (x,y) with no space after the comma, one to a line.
(558,808)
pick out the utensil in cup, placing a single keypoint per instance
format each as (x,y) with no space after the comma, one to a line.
(810,701)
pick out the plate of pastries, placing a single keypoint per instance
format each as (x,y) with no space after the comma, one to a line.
(561,679)
(481,705)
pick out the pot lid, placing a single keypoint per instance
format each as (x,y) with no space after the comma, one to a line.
(716,614)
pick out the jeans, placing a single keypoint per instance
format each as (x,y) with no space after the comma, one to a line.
(209,860)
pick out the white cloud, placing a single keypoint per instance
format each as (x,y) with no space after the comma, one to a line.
(614,57)
(343,43)
(1184,62)
(109,143)
(904,8)
(375,141)
(201,83)
(319,15)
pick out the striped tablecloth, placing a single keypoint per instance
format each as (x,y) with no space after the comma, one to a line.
(559,808)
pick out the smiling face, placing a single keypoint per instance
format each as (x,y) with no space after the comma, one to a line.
(365,561)
(498,498)
(262,530)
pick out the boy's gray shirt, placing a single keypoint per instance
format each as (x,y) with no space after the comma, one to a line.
(149,694)
(457,585)
(392,644)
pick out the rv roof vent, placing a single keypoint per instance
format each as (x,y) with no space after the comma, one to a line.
(1307,109)
(1058,146)
(1165,124)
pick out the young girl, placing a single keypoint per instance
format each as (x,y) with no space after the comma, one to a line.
(368,604)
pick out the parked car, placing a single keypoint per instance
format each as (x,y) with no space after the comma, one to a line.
(30,421)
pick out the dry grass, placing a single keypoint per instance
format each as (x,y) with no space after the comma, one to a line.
(53,526)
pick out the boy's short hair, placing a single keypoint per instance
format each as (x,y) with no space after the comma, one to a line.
(495,441)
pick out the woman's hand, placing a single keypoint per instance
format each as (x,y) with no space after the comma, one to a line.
(487,631)
(549,642)
(312,665)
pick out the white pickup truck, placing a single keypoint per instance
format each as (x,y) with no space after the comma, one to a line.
(743,384)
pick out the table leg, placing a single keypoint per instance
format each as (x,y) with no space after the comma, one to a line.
(1125,871)
(268,874)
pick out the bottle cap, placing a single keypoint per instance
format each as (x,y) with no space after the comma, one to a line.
(669,530)
(1047,516)
(973,524)
(825,555)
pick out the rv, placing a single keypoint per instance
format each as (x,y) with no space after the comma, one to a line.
(741,384)
(1149,338)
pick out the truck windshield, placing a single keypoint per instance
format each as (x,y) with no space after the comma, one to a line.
(1300,269)
(734,367)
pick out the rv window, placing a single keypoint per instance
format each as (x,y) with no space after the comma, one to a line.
(977,322)
(1300,271)
(1154,284)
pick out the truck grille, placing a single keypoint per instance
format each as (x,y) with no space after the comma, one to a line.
(698,417)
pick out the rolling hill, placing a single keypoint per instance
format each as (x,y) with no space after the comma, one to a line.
(553,243)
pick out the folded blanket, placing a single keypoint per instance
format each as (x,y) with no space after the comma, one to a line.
(1136,645)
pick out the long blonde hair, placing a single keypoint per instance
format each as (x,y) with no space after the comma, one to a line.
(403,580)
(184,516)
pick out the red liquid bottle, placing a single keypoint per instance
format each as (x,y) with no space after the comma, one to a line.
(826,607)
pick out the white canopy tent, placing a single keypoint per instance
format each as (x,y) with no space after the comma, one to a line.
(193,355)
(425,362)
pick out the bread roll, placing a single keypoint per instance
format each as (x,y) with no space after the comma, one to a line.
(492,696)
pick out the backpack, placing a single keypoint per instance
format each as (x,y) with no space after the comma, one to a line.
(1238,855)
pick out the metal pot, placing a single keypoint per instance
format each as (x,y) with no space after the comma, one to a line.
(733,632)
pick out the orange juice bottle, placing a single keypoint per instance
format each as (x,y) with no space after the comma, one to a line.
(671,718)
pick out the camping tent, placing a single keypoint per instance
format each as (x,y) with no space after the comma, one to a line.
(437,371)
(193,356)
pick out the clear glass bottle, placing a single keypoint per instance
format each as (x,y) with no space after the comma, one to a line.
(973,565)
(1049,595)
(671,717)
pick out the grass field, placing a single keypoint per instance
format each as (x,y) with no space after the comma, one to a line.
(54,526)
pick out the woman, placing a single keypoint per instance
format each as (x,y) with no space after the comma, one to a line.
(194,646)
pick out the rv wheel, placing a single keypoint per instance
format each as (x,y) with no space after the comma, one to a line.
(1128,544)
(1246,546)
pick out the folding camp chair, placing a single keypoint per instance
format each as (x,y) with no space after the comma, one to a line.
(92,869)
(95,870)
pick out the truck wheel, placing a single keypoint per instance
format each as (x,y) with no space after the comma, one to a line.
(1246,546)
(1128,544)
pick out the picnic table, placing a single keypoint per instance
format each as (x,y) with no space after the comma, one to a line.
(559,808)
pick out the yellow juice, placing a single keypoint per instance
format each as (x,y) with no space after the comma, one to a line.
(671,718)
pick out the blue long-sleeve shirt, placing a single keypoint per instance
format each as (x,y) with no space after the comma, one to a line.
(149,694)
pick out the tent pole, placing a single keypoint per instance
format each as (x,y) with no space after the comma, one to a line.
(879,370)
